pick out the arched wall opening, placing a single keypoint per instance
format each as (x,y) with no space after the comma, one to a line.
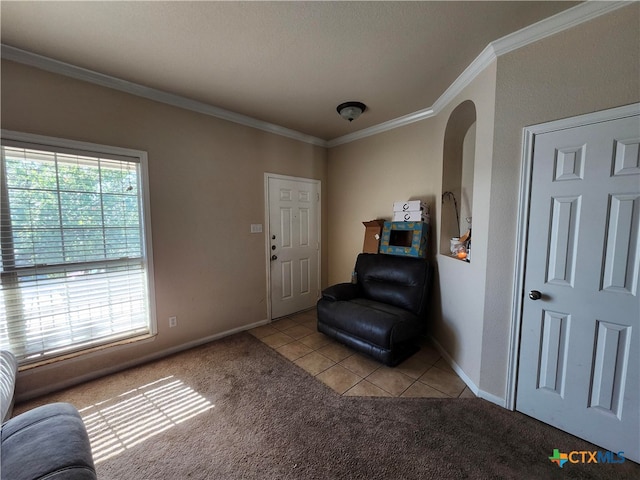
(457,175)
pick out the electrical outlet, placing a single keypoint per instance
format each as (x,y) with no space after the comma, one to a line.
(173,321)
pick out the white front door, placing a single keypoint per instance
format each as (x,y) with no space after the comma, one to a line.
(579,364)
(294,244)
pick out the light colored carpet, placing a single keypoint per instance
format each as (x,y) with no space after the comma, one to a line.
(235,409)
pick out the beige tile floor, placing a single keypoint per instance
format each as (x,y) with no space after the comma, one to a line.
(425,374)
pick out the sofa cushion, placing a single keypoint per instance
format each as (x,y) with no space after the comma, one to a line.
(8,371)
(380,324)
(47,442)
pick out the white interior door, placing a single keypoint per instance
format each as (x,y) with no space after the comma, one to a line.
(294,244)
(579,364)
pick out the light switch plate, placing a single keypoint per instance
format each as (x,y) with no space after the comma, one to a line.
(256,228)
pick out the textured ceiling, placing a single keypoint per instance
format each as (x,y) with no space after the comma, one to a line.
(287,63)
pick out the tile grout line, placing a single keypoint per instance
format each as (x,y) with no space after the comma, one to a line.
(308,320)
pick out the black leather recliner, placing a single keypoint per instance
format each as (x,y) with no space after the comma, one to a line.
(384,313)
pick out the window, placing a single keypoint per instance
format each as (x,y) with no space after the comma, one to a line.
(75,269)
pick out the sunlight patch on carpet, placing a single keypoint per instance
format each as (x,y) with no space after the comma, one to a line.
(120,423)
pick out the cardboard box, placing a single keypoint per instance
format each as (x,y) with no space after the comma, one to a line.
(405,238)
(372,234)
(411,216)
(409,206)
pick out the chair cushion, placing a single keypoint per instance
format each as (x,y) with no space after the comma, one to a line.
(378,323)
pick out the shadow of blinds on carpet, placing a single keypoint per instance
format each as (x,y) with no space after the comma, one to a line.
(117,424)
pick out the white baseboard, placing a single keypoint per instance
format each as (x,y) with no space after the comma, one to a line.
(123,366)
(465,378)
(490,397)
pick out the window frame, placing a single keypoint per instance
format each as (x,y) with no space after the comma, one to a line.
(61,145)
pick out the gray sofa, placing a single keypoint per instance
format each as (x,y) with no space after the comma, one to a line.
(49,442)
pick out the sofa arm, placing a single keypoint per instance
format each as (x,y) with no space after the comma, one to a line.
(340,292)
(49,442)
(8,371)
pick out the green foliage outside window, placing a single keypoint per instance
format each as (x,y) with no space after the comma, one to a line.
(69,209)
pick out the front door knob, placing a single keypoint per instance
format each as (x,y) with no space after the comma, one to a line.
(535,295)
(274,257)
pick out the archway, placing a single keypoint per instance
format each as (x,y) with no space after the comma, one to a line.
(457,174)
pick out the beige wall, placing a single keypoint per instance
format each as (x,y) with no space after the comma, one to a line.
(459,327)
(588,68)
(591,67)
(206,188)
(466,180)
(367,176)
(210,270)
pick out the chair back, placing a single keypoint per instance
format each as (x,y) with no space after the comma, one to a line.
(403,282)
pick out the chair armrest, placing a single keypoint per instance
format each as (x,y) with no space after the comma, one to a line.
(340,292)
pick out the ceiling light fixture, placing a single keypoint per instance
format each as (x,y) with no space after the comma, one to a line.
(351,110)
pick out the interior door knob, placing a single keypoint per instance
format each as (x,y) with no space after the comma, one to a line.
(535,295)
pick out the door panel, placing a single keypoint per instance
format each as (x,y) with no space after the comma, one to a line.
(579,367)
(609,367)
(621,251)
(563,240)
(294,244)
(552,368)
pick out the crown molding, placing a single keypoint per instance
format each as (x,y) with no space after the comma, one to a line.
(564,20)
(382,127)
(79,73)
(545,28)
(559,22)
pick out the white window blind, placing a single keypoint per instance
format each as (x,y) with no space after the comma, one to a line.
(74,267)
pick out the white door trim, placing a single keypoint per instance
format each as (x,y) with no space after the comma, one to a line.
(267,243)
(528,136)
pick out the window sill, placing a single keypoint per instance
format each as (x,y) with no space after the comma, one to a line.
(87,351)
